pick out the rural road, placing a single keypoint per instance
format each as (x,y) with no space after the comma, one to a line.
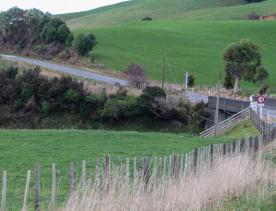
(65,69)
(192,96)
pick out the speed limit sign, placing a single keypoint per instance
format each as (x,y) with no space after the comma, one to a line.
(261,100)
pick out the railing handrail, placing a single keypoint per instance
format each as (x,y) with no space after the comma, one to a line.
(226,124)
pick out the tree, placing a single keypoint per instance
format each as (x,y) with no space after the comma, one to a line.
(241,60)
(191,81)
(150,96)
(84,43)
(261,75)
(135,75)
(56,31)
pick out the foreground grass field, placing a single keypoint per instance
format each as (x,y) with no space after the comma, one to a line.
(21,149)
(196,47)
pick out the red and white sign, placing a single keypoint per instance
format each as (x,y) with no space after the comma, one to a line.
(261,100)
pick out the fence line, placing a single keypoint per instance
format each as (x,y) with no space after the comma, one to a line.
(107,173)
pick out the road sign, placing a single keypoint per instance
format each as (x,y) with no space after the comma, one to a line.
(261,100)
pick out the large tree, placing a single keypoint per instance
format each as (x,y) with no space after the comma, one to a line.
(241,61)
(21,29)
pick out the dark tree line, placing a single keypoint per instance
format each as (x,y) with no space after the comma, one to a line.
(254,1)
(27,97)
(39,33)
(27,28)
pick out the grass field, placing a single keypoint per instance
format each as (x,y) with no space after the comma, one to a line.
(193,46)
(135,10)
(21,149)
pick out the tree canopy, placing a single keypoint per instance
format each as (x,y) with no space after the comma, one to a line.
(241,62)
(27,28)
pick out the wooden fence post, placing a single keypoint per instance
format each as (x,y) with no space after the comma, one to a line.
(211,153)
(106,173)
(170,166)
(181,164)
(37,187)
(160,166)
(224,150)
(234,147)
(135,168)
(145,174)
(127,172)
(250,143)
(174,165)
(256,144)
(242,145)
(72,178)
(26,194)
(54,187)
(195,158)
(83,176)
(164,166)
(4,191)
(186,165)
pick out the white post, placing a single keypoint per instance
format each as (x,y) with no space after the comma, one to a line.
(27,188)
(261,112)
(4,191)
(186,80)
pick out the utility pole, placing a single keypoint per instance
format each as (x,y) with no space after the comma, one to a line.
(163,68)
(217,106)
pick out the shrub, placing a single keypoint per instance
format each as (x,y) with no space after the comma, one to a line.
(191,82)
(45,108)
(253,16)
(150,96)
(120,108)
(136,75)
(40,49)
(146,18)
(84,43)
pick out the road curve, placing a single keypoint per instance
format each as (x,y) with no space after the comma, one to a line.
(192,96)
(65,69)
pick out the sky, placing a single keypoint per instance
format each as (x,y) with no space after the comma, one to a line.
(56,6)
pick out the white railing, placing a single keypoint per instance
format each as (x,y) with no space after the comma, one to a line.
(227,124)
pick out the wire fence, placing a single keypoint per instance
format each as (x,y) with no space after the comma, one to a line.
(104,170)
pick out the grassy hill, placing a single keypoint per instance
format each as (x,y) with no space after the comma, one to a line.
(194,46)
(21,149)
(135,10)
(130,11)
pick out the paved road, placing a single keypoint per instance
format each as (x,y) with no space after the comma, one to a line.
(193,97)
(196,97)
(66,69)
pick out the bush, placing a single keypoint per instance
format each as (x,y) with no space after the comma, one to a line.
(150,96)
(84,43)
(146,18)
(253,16)
(120,108)
(136,75)
(191,82)
(40,49)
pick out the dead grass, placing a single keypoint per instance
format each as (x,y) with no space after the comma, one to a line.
(207,189)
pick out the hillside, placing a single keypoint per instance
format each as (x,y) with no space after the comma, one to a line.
(135,10)
(130,11)
(194,46)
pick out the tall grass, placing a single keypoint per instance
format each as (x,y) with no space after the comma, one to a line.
(206,187)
